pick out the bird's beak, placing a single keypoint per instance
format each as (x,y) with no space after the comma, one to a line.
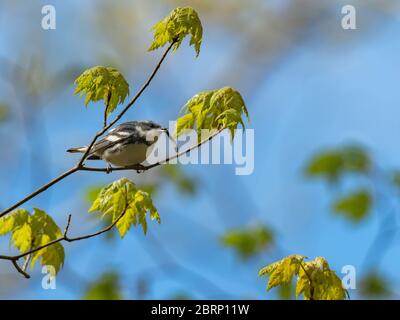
(170,138)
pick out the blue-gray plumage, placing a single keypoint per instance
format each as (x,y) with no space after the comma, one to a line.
(126,144)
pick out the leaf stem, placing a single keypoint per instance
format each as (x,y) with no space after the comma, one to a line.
(309,279)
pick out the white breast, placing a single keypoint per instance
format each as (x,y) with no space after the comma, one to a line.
(129,155)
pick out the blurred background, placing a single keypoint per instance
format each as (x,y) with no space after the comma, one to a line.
(324,104)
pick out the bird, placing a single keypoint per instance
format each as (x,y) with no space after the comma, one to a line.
(125,145)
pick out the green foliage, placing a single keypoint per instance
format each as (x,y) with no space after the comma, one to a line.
(354,206)
(324,284)
(396,179)
(126,204)
(106,287)
(103,83)
(315,280)
(286,291)
(212,110)
(30,231)
(332,164)
(4,112)
(248,242)
(176,26)
(180,296)
(374,285)
(282,272)
(92,192)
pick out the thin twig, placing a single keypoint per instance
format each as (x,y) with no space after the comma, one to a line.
(40,190)
(26,275)
(106,110)
(79,166)
(65,237)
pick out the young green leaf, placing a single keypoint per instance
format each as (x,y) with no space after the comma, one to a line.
(126,204)
(315,280)
(176,26)
(103,83)
(29,231)
(281,272)
(354,206)
(248,242)
(4,112)
(318,282)
(375,285)
(106,287)
(212,110)
(332,164)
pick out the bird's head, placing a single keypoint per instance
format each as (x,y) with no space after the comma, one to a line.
(153,131)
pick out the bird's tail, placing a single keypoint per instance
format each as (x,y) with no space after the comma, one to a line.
(83,150)
(77,150)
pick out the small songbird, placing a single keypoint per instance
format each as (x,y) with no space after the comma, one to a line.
(125,145)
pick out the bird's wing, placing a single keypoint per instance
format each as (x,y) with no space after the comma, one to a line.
(124,133)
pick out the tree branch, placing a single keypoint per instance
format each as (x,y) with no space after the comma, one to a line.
(65,237)
(80,165)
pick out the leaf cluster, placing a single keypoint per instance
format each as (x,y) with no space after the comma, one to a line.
(176,26)
(248,242)
(126,205)
(314,279)
(103,83)
(30,231)
(212,110)
(334,164)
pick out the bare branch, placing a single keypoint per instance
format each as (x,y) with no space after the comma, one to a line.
(40,190)
(14,262)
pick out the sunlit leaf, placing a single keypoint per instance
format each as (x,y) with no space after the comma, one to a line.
(318,282)
(315,280)
(212,110)
(282,272)
(22,237)
(126,204)
(103,83)
(30,231)
(176,26)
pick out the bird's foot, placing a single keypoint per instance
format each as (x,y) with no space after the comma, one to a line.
(109,169)
(140,168)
